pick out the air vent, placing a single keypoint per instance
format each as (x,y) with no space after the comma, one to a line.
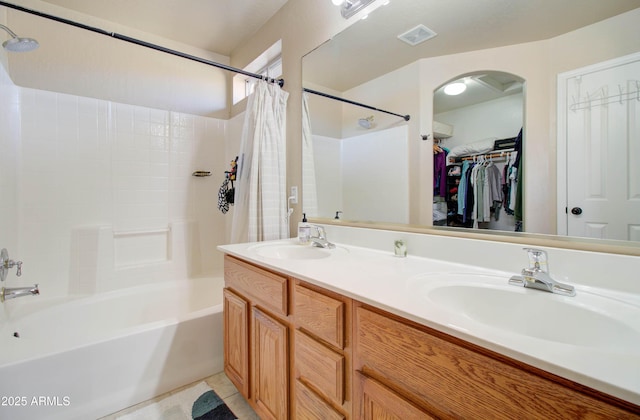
(415,36)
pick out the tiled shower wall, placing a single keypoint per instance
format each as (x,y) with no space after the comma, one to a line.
(9,132)
(100,194)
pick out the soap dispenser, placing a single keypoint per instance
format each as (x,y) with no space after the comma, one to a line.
(304,230)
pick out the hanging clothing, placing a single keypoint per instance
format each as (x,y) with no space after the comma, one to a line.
(494,185)
(462,188)
(223,203)
(261,199)
(480,193)
(520,182)
(440,173)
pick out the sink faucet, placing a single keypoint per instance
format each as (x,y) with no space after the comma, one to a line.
(16,292)
(320,240)
(537,275)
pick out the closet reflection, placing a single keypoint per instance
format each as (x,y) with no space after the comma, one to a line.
(477,152)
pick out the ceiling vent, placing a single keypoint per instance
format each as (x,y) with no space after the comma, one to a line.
(415,36)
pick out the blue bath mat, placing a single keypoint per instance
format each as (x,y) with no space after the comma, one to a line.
(209,406)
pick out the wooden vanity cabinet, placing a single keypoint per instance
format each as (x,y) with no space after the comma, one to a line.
(296,350)
(406,370)
(256,336)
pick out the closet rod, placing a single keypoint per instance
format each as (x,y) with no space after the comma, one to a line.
(141,43)
(337,98)
(489,155)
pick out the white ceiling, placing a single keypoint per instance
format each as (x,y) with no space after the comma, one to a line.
(213,25)
(481,87)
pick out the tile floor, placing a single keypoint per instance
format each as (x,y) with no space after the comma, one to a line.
(220,384)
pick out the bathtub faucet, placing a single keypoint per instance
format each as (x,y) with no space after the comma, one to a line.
(6,264)
(16,292)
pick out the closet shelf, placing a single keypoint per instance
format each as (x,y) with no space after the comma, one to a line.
(492,155)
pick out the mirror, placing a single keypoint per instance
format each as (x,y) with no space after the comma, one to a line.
(488,108)
(375,167)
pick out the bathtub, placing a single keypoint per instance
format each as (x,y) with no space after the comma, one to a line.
(83,358)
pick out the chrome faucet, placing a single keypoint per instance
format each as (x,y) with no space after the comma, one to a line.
(16,292)
(537,275)
(320,240)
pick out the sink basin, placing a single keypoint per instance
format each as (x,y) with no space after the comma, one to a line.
(587,319)
(296,251)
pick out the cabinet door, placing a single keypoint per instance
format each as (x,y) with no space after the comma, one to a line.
(236,341)
(270,384)
(375,402)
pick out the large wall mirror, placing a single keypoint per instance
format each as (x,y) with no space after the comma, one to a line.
(539,69)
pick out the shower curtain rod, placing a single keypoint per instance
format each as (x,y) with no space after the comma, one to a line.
(337,98)
(141,43)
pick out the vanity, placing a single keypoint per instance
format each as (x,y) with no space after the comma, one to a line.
(355,332)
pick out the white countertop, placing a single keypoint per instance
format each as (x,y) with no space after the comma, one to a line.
(391,283)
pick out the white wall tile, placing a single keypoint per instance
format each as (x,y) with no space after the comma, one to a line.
(83,166)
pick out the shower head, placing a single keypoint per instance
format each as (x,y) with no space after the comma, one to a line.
(17,44)
(366,123)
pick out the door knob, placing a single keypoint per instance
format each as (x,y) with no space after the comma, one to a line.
(576,210)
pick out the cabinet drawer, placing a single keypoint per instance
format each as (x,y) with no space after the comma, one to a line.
(310,406)
(320,367)
(264,287)
(320,315)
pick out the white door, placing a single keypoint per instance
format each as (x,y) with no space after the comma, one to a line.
(603,151)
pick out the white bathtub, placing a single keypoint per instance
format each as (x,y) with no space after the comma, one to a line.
(87,357)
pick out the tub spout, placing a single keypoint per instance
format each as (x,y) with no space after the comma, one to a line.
(16,292)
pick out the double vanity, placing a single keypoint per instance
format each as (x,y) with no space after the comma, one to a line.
(358,332)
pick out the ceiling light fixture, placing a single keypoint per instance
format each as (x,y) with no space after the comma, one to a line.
(349,8)
(455,88)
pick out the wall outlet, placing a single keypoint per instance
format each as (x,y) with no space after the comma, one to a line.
(294,195)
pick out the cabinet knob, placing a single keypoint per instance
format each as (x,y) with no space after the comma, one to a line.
(576,210)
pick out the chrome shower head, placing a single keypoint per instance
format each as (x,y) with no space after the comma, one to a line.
(17,44)
(366,123)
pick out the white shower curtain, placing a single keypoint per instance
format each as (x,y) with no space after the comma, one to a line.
(310,193)
(260,212)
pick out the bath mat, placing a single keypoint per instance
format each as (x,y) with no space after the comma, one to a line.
(199,402)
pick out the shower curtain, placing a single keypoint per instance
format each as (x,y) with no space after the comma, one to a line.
(310,194)
(260,212)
